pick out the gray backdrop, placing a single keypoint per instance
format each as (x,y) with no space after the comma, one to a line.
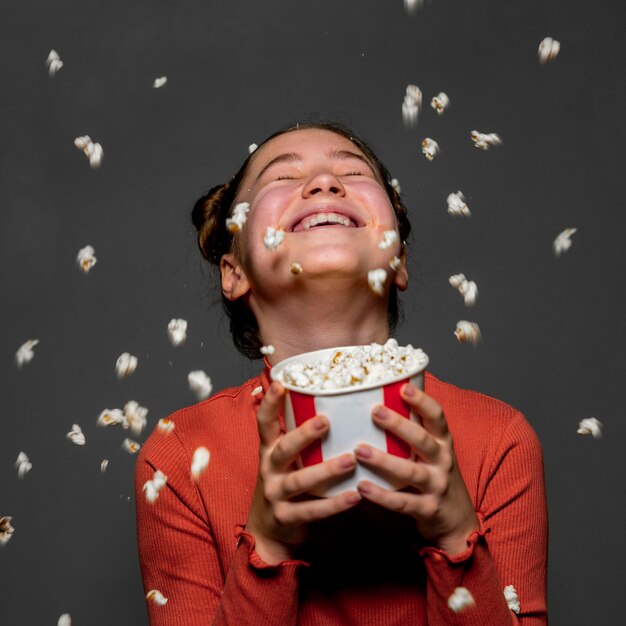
(237,71)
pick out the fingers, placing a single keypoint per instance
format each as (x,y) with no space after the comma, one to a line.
(267,414)
(405,502)
(289,513)
(292,443)
(427,408)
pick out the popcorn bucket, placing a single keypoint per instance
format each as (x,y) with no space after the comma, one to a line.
(349,413)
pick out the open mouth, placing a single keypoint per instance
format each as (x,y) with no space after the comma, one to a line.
(323,220)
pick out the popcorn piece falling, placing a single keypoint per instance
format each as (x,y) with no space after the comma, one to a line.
(548,50)
(93,151)
(131,446)
(235,223)
(200,384)
(273,237)
(252,147)
(563,241)
(165,426)
(467,288)
(467,332)
(65,620)
(460,600)
(86,258)
(296,268)
(177,331)
(376,279)
(389,238)
(76,435)
(104,465)
(6,530)
(395,263)
(411,5)
(269,349)
(485,140)
(23,465)
(154,595)
(430,148)
(134,417)
(457,205)
(25,352)
(440,102)
(199,462)
(126,365)
(53,63)
(159,82)
(152,487)
(395,184)
(110,417)
(590,426)
(411,106)
(510,595)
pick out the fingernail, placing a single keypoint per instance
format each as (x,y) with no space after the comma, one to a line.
(381,412)
(364,452)
(346,462)
(318,423)
(364,488)
(353,498)
(409,390)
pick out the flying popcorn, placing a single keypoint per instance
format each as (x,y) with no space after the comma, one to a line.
(23,465)
(159,82)
(130,446)
(76,435)
(389,238)
(395,263)
(548,50)
(25,352)
(411,5)
(65,620)
(235,223)
(510,595)
(563,241)
(440,102)
(411,105)
(430,148)
(200,384)
(296,268)
(134,417)
(86,258)
(6,530)
(467,332)
(152,487)
(177,331)
(126,364)
(104,465)
(93,151)
(273,237)
(53,63)
(467,288)
(165,426)
(110,417)
(485,140)
(395,184)
(269,349)
(200,462)
(590,426)
(252,147)
(460,600)
(376,279)
(154,595)
(457,205)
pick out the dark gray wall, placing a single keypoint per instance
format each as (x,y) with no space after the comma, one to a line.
(238,70)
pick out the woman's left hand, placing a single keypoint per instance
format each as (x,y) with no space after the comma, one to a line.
(436,496)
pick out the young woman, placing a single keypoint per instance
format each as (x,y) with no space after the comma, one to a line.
(244,543)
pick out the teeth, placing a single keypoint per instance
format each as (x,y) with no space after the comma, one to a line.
(325,218)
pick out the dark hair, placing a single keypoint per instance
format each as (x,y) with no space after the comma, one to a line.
(214,239)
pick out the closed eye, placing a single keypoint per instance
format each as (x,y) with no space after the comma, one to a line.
(353,174)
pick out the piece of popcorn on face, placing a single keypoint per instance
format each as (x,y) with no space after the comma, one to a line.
(154,595)
(563,241)
(590,426)
(485,140)
(235,223)
(510,595)
(411,106)
(296,268)
(110,417)
(457,205)
(460,600)
(548,50)
(25,352)
(76,435)
(200,462)
(177,331)
(440,102)
(130,446)
(273,237)
(269,349)
(23,465)
(86,258)
(159,82)
(53,63)
(376,279)
(104,464)
(200,384)
(395,263)
(430,148)
(126,365)
(395,184)
(6,530)
(65,620)
(389,238)
(165,426)
(135,417)
(467,332)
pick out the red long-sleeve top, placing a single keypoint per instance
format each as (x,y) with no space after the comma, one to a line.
(366,566)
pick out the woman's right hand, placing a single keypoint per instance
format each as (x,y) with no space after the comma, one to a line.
(277,521)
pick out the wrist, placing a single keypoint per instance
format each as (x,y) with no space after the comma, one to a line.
(269,551)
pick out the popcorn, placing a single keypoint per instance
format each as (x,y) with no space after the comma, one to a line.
(389,238)
(252,147)
(235,223)
(548,50)
(53,63)
(485,140)
(177,331)
(86,258)
(165,426)
(134,417)
(200,384)
(6,530)
(257,390)
(199,462)
(460,600)
(376,279)
(159,82)
(23,465)
(467,332)
(510,595)
(430,148)
(468,289)
(154,595)
(104,465)
(440,102)
(563,241)
(457,205)
(110,417)
(411,5)
(395,184)
(65,620)
(25,352)
(363,365)
(395,263)
(126,364)
(131,446)
(93,151)
(411,105)
(269,349)
(590,426)
(152,487)
(296,268)
(273,237)
(76,435)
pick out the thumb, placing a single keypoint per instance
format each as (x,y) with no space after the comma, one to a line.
(267,414)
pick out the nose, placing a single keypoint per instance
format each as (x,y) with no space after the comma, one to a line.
(323,182)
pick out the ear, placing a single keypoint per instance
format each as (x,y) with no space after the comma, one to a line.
(401,275)
(234,281)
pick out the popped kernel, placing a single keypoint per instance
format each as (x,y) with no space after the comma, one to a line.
(296,268)
(376,279)
(6,530)
(165,426)
(134,417)
(130,446)
(563,241)
(200,384)
(235,223)
(76,435)
(93,151)
(411,105)
(53,63)
(430,148)
(104,464)
(125,365)
(467,332)
(395,184)
(457,205)
(177,331)
(154,595)
(440,102)
(269,349)
(110,417)
(510,595)
(590,426)
(65,620)
(411,5)
(460,600)
(23,465)
(485,140)
(159,82)
(152,487)
(273,237)
(395,263)
(467,288)
(252,147)
(86,258)
(257,390)
(200,462)
(548,50)
(389,238)
(25,352)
